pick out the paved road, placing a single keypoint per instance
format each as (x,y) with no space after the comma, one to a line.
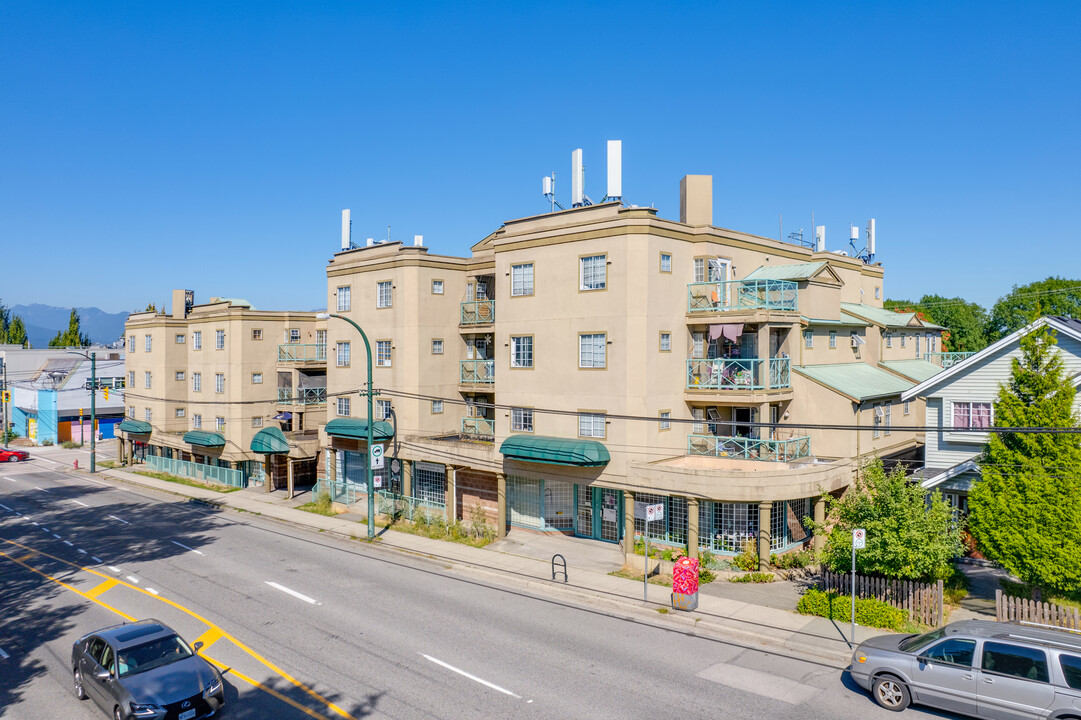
(316,627)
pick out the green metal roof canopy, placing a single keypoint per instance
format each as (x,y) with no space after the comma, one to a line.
(270,441)
(357,429)
(555,451)
(202,438)
(136,427)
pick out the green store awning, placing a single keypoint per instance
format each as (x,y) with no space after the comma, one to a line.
(202,438)
(555,451)
(357,429)
(136,427)
(270,441)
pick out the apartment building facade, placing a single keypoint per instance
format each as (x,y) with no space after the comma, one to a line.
(224,385)
(582,364)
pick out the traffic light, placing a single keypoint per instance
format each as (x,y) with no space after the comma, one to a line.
(5,396)
(105,392)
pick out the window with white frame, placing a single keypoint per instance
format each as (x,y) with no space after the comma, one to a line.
(131,378)
(196,382)
(257,333)
(147,342)
(593,272)
(808,338)
(591,425)
(180,412)
(698,344)
(521,420)
(131,412)
(384,294)
(437,407)
(257,421)
(833,338)
(889,340)
(343,354)
(257,378)
(906,406)
(179,339)
(382,409)
(131,343)
(197,421)
(917,337)
(180,375)
(437,287)
(146,379)
(719,269)
(219,382)
(521,279)
(197,339)
(887,417)
(666,342)
(699,269)
(876,429)
(382,353)
(666,262)
(591,350)
(343,407)
(666,420)
(521,351)
(219,423)
(345,298)
(973,415)
(699,415)
(219,339)
(294,335)
(878,292)
(437,346)
(146,414)
(903,336)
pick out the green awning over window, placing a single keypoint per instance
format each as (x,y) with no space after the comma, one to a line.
(202,438)
(357,429)
(136,427)
(555,451)
(270,441)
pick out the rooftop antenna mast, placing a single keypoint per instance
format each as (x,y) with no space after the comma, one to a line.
(867,254)
(347,232)
(548,185)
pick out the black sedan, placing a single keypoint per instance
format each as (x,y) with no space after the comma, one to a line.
(145,671)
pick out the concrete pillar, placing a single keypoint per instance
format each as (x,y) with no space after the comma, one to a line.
(329,470)
(762,344)
(820,517)
(119,450)
(289,475)
(764,509)
(501,502)
(692,527)
(452,483)
(268,472)
(628,527)
(407,478)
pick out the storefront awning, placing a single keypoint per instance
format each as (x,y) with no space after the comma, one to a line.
(135,427)
(555,451)
(270,441)
(202,438)
(357,429)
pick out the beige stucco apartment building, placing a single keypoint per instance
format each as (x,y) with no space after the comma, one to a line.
(582,364)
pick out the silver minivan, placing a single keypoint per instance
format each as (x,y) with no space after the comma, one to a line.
(999,671)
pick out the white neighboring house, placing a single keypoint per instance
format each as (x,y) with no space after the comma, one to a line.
(963,396)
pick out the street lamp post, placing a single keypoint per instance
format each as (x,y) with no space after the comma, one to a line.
(371,424)
(92,357)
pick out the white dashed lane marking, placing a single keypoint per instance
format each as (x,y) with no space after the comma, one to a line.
(186,547)
(42,489)
(96,559)
(294,593)
(114,517)
(474,678)
(115,569)
(77,502)
(133,579)
(6,507)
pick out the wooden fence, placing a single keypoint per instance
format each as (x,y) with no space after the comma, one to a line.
(1014,609)
(922,601)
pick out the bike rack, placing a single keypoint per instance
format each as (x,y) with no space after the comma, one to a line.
(563,569)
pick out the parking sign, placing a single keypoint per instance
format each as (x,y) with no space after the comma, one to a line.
(859,538)
(655,512)
(377,457)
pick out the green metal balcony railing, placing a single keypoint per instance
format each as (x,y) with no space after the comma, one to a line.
(302,352)
(743,448)
(477,371)
(947,359)
(478,427)
(408,508)
(737,374)
(732,295)
(478,312)
(303,396)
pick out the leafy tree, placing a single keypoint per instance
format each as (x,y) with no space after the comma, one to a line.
(1025,513)
(1025,303)
(73,336)
(12,329)
(908,537)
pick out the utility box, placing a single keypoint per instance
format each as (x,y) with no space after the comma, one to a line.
(685,584)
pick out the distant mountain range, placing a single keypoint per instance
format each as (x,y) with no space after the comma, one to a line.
(44,321)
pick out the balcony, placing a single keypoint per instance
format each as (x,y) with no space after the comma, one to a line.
(302,352)
(477,372)
(947,359)
(741,295)
(478,312)
(744,448)
(304,396)
(480,428)
(738,374)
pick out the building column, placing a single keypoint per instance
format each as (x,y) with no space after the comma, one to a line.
(764,509)
(628,527)
(330,459)
(120,451)
(452,484)
(501,505)
(819,542)
(268,471)
(407,478)
(289,475)
(762,343)
(692,527)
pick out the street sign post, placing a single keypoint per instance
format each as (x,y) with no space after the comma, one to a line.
(653,513)
(859,542)
(377,457)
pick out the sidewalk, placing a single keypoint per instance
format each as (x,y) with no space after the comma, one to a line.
(525,560)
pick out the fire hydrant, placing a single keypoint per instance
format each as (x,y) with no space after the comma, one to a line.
(76,463)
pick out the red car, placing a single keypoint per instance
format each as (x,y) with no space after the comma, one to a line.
(14,455)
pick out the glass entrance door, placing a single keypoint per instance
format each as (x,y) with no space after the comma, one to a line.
(609,505)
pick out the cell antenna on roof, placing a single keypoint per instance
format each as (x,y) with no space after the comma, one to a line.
(867,254)
(548,186)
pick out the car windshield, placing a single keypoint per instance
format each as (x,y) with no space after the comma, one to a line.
(148,656)
(918,642)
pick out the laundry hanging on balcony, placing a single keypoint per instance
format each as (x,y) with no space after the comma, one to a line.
(730,331)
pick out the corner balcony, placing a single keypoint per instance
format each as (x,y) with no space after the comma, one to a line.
(302,352)
(478,312)
(743,448)
(478,428)
(947,359)
(477,372)
(303,396)
(738,374)
(741,295)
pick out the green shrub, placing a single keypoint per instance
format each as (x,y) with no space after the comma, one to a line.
(754,577)
(789,561)
(46,443)
(705,576)
(69,445)
(869,612)
(747,560)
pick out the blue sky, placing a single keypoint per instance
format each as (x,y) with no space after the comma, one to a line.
(212,146)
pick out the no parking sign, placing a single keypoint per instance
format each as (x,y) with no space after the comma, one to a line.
(859,539)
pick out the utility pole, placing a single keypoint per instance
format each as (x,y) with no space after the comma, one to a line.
(93,414)
(3,388)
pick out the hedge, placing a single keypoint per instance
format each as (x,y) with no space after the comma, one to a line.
(869,612)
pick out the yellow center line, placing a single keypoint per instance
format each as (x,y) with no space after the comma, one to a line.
(265,688)
(102,587)
(213,626)
(208,638)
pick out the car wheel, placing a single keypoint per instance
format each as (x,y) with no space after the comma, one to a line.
(890,693)
(79,692)
(116,713)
